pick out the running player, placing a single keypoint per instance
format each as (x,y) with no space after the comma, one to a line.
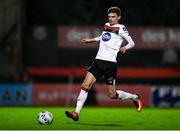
(105,63)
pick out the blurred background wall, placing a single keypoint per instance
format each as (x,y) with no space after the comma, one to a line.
(43,63)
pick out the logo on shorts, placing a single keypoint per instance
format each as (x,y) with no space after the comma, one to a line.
(111,81)
(106,36)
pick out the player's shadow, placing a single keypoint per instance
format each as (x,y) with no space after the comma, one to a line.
(99,124)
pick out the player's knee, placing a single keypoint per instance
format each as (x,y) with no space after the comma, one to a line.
(85,87)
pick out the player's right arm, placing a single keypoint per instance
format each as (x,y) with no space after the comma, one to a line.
(90,40)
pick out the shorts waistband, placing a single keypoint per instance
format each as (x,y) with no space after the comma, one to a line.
(104,61)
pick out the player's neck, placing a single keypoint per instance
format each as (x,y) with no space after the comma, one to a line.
(113,24)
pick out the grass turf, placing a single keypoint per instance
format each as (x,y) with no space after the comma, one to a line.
(91,118)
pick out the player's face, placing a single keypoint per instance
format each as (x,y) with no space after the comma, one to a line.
(113,18)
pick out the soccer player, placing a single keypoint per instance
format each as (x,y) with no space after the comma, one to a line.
(105,63)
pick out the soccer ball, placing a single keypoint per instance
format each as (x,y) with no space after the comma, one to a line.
(45,117)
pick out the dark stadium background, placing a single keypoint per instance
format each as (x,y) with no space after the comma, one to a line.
(34,58)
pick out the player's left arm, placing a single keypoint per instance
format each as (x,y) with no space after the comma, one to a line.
(130,43)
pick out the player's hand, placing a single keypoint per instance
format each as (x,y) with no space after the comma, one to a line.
(122,50)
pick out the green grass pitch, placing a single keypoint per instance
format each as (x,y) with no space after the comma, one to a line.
(91,118)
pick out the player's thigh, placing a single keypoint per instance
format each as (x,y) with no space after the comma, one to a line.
(110,74)
(89,80)
(111,90)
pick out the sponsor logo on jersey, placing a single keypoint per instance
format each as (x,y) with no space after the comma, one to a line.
(106,36)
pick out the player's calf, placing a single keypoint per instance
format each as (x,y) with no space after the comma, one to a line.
(113,96)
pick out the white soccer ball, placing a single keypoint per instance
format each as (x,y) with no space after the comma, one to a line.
(45,117)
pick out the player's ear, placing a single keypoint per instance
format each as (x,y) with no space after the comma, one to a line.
(119,17)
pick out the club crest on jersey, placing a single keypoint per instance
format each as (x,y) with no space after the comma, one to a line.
(124,29)
(106,36)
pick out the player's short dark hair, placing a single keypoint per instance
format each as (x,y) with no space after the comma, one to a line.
(114,9)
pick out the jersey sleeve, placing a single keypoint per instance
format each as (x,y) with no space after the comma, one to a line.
(125,34)
(97,38)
